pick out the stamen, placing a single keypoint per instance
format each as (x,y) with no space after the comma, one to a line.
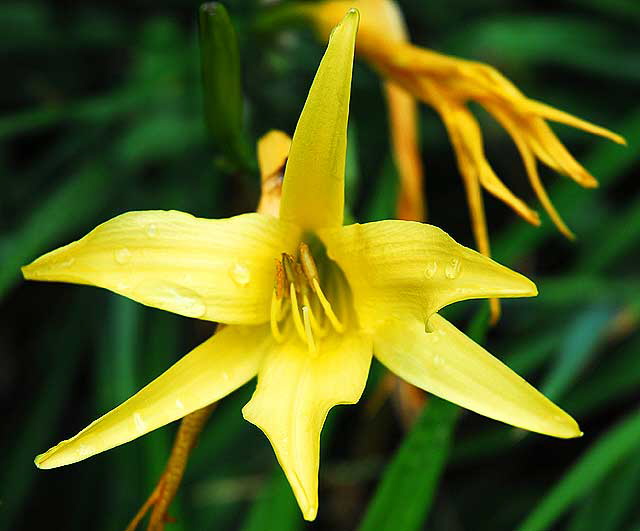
(289,265)
(315,325)
(307,329)
(308,263)
(295,313)
(326,305)
(280,280)
(276,306)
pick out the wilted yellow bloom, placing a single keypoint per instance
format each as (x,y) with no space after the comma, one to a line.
(306,300)
(448,84)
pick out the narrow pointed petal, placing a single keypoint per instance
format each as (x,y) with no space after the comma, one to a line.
(211,371)
(313,190)
(556,115)
(217,270)
(529,160)
(295,392)
(410,269)
(447,363)
(466,136)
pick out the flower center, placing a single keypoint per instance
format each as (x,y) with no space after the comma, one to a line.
(297,294)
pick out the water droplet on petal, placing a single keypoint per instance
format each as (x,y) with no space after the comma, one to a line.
(152,230)
(141,425)
(240,274)
(67,263)
(452,269)
(179,404)
(431,270)
(122,255)
(225,376)
(438,361)
(171,297)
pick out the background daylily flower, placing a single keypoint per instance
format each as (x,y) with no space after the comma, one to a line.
(307,302)
(448,84)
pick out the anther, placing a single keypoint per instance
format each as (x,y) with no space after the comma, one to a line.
(308,263)
(280,281)
(290,270)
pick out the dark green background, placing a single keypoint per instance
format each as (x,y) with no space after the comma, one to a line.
(101,113)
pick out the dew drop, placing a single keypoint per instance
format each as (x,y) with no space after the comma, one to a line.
(152,230)
(431,270)
(240,274)
(66,263)
(171,297)
(179,404)
(438,361)
(225,376)
(122,255)
(452,270)
(141,425)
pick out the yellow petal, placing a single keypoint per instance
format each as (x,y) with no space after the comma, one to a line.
(410,269)
(273,150)
(465,134)
(556,115)
(218,270)
(313,189)
(378,18)
(209,372)
(294,394)
(520,139)
(448,364)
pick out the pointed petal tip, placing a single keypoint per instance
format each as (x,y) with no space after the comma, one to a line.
(43,462)
(38,461)
(619,139)
(310,513)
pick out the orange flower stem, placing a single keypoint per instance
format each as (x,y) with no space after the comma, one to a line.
(167,486)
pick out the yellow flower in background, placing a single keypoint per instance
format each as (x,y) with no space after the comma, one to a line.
(306,302)
(448,84)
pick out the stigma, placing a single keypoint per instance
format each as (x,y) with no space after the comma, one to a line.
(299,302)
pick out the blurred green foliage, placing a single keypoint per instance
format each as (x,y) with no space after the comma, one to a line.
(101,112)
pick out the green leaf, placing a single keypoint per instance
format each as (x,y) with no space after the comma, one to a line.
(73,204)
(580,344)
(408,486)
(619,442)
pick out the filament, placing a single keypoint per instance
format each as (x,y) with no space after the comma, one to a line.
(295,312)
(326,305)
(315,325)
(307,329)
(276,306)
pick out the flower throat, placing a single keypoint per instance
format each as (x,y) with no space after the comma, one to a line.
(297,290)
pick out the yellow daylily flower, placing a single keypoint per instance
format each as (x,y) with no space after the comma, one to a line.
(448,84)
(306,302)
